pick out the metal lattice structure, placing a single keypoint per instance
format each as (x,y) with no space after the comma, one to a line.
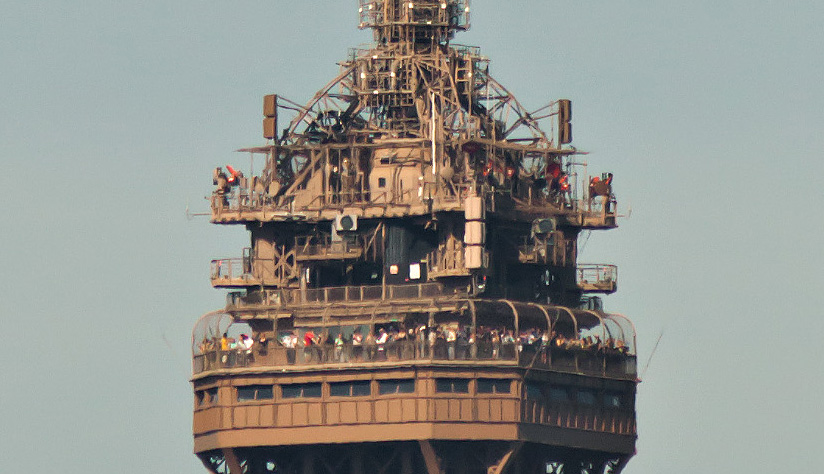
(411,300)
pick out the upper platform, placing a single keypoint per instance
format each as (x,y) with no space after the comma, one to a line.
(393,192)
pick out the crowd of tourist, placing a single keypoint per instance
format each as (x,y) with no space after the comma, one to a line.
(396,342)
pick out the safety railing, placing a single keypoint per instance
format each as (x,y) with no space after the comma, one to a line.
(328,250)
(232,271)
(568,415)
(243,203)
(599,362)
(597,278)
(364,293)
(294,297)
(447,262)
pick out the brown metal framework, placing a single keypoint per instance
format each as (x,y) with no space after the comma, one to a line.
(411,299)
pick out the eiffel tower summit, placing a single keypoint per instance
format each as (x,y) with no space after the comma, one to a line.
(411,300)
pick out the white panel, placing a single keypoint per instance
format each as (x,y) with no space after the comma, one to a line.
(415,271)
(474,208)
(474,256)
(474,233)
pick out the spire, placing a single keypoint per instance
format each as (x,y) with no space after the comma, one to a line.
(416,22)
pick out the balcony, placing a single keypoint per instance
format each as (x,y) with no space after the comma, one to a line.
(342,250)
(572,341)
(445,262)
(597,278)
(597,213)
(597,361)
(557,252)
(233,272)
(295,298)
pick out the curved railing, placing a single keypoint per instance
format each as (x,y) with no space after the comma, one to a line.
(595,360)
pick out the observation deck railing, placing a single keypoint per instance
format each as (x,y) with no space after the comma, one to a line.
(233,271)
(605,362)
(241,205)
(597,278)
(329,251)
(237,301)
(447,262)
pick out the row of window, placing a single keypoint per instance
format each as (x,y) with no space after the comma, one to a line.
(581,396)
(363,388)
(359,388)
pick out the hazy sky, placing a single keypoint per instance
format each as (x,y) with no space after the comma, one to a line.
(112,115)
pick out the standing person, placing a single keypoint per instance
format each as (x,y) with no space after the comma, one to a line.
(245,348)
(290,342)
(370,346)
(308,342)
(420,338)
(357,344)
(451,337)
(339,348)
(473,347)
(263,344)
(383,338)
(433,340)
(399,342)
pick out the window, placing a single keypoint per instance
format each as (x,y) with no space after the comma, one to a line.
(386,387)
(381,182)
(210,396)
(415,271)
(200,398)
(360,388)
(533,391)
(254,392)
(586,397)
(612,400)
(452,385)
(301,390)
(494,386)
(558,394)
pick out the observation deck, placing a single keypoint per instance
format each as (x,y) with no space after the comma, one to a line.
(243,206)
(574,374)
(411,299)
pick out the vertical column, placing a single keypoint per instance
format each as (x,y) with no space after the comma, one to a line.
(474,233)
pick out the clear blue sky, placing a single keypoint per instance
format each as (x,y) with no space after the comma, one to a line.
(112,115)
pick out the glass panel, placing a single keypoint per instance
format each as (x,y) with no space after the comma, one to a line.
(612,400)
(406,386)
(558,394)
(312,390)
(245,394)
(340,389)
(265,393)
(452,385)
(443,385)
(460,386)
(486,386)
(386,387)
(291,391)
(533,391)
(494,386)
(586,397)
(361,388)
(502,386)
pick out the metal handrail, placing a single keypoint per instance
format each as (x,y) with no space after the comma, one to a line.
(598,274)
(273,355)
